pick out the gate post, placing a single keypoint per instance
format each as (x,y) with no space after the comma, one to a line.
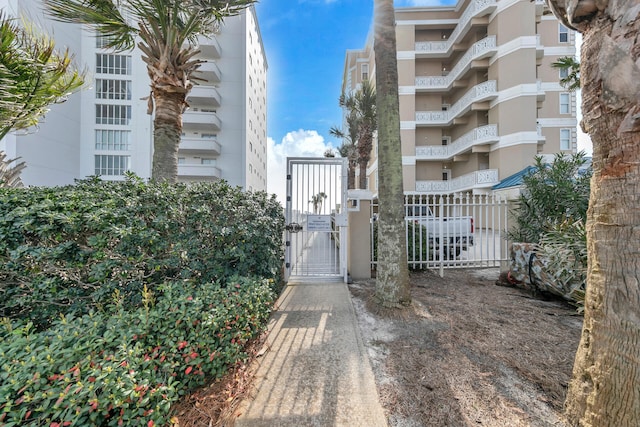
(359,241)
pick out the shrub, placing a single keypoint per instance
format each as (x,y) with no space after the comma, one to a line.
(552,194)
(126,367)
(66,250)
(552,212)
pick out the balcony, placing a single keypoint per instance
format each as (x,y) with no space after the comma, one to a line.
(479,93)
(480,136)
(480,50)
(440,49)
(188,172)
(539,47)
(209,47)
(210,72)
(199,146)
(474,180)
(201,120)
(204,96)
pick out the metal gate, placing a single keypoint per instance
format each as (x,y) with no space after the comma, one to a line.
(316,216)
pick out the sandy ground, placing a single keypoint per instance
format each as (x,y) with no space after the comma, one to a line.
(469,353)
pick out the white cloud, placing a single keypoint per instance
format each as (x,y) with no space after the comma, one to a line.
(300,143)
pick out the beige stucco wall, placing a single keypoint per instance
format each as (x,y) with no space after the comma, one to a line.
(515,115)
(510,160)
(513,22)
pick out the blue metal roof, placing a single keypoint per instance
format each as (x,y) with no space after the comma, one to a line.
(514,180)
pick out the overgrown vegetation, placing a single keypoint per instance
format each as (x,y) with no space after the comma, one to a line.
(118,298)
(553,194)
(552,212)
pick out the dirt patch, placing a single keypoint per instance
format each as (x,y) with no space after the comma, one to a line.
(470,353)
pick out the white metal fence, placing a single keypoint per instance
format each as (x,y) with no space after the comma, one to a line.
(452,230)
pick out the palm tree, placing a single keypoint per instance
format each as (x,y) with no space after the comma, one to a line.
(348,148)
(392,283)
(167,31)
(33,75)
(362,107)
(571,65)
(604,389)
(317,201)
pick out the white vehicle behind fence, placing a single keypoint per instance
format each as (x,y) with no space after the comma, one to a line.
(456,232)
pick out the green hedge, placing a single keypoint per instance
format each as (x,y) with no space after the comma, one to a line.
(126,367)
(65,250)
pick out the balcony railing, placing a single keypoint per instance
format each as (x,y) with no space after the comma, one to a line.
(207,96)
(208,146)
(479,50)
(479,179)
(201,120)
(210,72)
(209,47)
(476,8)
(200,172)
(479,93)
(479,136)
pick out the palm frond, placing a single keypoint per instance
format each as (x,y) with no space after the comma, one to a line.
(108,18)
(33,75)
(569,63)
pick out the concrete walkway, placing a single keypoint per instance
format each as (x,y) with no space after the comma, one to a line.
(315,371)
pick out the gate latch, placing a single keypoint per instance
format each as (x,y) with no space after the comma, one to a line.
(294,227)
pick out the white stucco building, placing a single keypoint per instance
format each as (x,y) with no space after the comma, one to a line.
(105,130)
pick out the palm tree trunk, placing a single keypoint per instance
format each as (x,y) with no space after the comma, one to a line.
(167,131)
(362,178)
(351,178)
(392,283)
(365,144)
(605,389)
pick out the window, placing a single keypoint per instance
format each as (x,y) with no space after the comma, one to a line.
(209,135)
(446,140)
(103,41)
(182,160)
(565,139)
(113,89)
(113,114)
(564,73)
(112,139)
(446,174)
(565,103)
(113,64)
(563,33)
(207,161)
(364,69)
(111,165)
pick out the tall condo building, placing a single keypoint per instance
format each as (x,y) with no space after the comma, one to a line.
(478,96)
(105,130)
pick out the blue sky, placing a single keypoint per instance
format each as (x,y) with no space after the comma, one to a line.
(305,43)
